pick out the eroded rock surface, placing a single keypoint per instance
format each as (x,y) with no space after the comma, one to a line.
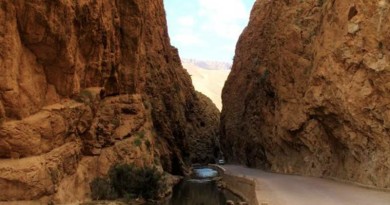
(85,85)
(61,164)
(205,148)
(309,90)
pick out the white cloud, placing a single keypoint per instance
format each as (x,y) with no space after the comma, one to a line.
(186,34)
(223,9)
(224,17)
(187,39)
(187,21)
(207,29)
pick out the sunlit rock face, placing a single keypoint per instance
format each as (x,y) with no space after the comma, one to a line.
(85,85)
(309,90)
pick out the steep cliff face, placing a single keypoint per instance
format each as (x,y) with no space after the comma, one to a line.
(205,147)
(84,85)
(309,90)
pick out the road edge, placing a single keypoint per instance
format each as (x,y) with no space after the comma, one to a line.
(241,185)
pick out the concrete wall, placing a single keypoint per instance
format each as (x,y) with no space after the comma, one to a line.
(244,187)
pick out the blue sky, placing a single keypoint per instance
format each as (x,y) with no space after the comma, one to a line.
(207,29)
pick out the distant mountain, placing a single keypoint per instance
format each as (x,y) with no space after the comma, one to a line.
(208,77)
(209,65)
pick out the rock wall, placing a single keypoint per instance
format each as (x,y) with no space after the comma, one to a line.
(309,90)
(86,84)
(55,153)
(205,148)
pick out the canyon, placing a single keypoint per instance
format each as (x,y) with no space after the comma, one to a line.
(86,85)
(308,93)
(89,84)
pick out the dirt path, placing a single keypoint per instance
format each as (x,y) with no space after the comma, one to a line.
(277,189)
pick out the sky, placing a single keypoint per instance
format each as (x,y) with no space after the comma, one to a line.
(207,29)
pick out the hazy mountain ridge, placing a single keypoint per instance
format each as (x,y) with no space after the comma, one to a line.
(207,79)
(208,65)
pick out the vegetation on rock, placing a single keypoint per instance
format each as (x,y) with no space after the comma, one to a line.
(128,181)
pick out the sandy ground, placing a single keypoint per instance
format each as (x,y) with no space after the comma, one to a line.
(277,189)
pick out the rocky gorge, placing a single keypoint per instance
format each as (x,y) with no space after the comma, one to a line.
(308,93)
(88,84)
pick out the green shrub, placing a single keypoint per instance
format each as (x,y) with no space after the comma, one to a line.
(101,189)
(137,142)
(150,183)
(121,178)
(141,134)
(130,182)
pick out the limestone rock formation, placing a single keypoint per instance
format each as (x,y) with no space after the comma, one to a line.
(85,85)
(60,149)
(309,90)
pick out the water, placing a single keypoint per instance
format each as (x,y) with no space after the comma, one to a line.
(205,173)
(200,189)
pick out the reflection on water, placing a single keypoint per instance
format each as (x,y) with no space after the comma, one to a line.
(197,192)
(201,189)
(205,173)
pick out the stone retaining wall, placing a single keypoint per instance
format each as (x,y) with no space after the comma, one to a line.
(244,187)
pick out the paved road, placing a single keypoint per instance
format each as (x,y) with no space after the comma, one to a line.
(278,189)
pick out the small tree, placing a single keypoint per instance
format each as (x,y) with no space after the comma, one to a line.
(128,180)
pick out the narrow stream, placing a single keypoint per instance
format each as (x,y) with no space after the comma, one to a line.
(201,189)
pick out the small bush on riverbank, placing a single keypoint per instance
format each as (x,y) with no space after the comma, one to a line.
(128,181)
(101,189)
